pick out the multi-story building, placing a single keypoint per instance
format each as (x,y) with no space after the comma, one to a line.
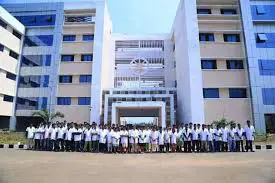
(217,62)
(11,36)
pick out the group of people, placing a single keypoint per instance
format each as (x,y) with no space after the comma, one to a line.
(63,136)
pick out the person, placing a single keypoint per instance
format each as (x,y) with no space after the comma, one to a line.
(30,131)
(161,137)
(187,134)
(136,139)
(239,138)
(115,140)
(109,139)
(154,140)
(61,130)
(69,136)
(141,140)
(53,145)
(102,138)
(42,134)
(47,137)
(147,139)
(173,140)
(124,139)
(77,133)
(195,139)
(88,138)
(204,138)
(199,139)
(95,135)
(249,135)
(231,138)
(210,138)
(37,139)
(218,137)
(224,138)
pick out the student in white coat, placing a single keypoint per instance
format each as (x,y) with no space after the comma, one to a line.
(115,139)
(53,144)
(154,139)
(109,140)
(161,140)
(147,140)
(231,138)
(174,140)
(239,138)
(249,135)
(167,139)
(77,137)
(95,137)
(47,137)
(224,138)
(195,139)
(88,138)
(187,135)
(124,139)
(204,137)
(30,135)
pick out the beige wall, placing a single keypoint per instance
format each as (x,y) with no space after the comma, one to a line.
(9,40)
(74,90)
(221,50)
(75,68)
(74,113)
(77,47)
(6,107)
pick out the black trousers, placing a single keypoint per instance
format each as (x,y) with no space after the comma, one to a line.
(187,146)
(36,144)
(167,147)
(60,144)
(218,145)
(195,146)
(249,145)
(224,146)
(53,145)
(102,147)
(161,148)
(239,146)
(77,146)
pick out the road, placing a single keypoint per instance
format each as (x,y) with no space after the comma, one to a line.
(39,167)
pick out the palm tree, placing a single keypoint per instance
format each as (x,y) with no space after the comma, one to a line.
(47,116)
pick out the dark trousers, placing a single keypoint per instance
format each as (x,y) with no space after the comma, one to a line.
(249,145)
(161,148)
(60,145)
(224,146)
(211,146)
(167,147)
(67,145)
(46,144)
(53,145)
(218,145)
(195,146)
(187,146)
(239,146)
(36,144)
(95,146)
(102,147)
(77,146)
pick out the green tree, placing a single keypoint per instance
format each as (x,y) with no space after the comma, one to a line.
(46,116)
(223,122)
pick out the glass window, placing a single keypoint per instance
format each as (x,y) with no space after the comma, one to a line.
(270,123)
(65,79)
(64,101)
(87,57)
(8,98)
(84,100)
(69,38)
(208,64)
(237,93)
(11,76)
(88,37)
(234,64)
(67,58)
(228,11)
(265,40)
(31,103)
(85,78)
(36,60)
(268,95)
(39,40)
(17,34)
(261,37)
(37,20)
(231,37)
(1,47)
(75,19)
(267,67)
(260,10)
(34,81)
(211,93)
(3,24)
(207,37)
(203,11)
(13,54)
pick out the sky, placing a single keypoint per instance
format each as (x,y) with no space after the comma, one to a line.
(135,16)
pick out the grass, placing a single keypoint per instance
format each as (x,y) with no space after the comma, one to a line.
(12,138)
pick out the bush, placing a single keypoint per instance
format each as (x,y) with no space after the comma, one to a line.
(12,138)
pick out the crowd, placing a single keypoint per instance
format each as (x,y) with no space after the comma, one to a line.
(189,138)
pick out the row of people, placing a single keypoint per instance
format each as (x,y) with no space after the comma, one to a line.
(106,138)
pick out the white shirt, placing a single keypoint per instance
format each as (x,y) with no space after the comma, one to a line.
(225,134)
(61,132)
(154,137)
(195,134)
(174,138)
(187,134)
(142,135)
(69,133)
(167,136)
(204,134)
(95,134)
(37,134)
(53,133)
(78,137)
(109,137)
(102,136)
(124,136)
(210,134)
(232,133)
(148,135)
(47,132)
(161,138)
(239,135)
(30,132)
(249,132)
(219,133)
(88,135)
(115,138)
(42,132)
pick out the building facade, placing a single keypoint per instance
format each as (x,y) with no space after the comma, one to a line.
(217,62)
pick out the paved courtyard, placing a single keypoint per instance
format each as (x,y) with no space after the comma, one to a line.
(38,167)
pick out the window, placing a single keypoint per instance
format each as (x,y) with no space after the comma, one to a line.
(69,38)
(237,93)
(268,95)
(234,64)
(88,37)
(34,81)
(64,101)
(17,34)
(11,76)
(36,60)
(14,55)
(267,67)
(260,10)
(87,57)
(65,79)
(207,37)
(31,103)
(37,20)
(84,100)
(39,40)
(211,93)
(8,98)
(3,24)
(1,47)
(228,11)
(85,78)
(75,19)
(261,38)
(67,58)
(45,81)
(270,123)
(203,11)
(231,37)
(208,64)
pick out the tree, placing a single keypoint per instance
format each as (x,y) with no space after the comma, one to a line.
(47,116)
(223,122)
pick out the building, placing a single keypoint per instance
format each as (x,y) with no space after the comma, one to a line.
(11,34)
(217,62)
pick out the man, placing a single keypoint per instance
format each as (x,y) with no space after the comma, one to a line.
(174,140)
(231,138)
(167,138)
(154,139)
(249,135)
(239,138)
(61,130)
(224,138)
(218,138)
(47,137)
(115,140)
(147,140)
(53,144)
(95,135)
(88,138)
(195,137)
(102,138)
(37,138)
(210,138)
(204,137)
(141,140)
(124,139)
(161,137)
(187,134)
(77,134)
(30,135)
(109,139)
(199,138)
